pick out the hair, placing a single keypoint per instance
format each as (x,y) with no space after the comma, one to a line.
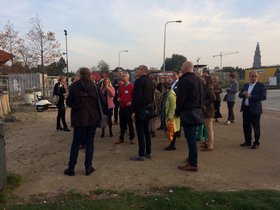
(60,78)
(85,73)
(215,78)
(110,83)
(208,80)
(176,72)
(253,71)
(125,73)
(232,75)
(187,66)
(206,71)
(166,85)
(144,68)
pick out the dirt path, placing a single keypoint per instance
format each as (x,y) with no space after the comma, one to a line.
(39,153)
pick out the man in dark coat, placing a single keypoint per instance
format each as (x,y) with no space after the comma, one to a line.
(85,115)
(142,100)
(252,95)
(189,97)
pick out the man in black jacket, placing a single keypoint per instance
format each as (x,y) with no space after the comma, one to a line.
(189,97)
(252,95)
(142,101)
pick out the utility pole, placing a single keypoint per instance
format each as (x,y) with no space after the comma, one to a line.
(221,57)
(67,64)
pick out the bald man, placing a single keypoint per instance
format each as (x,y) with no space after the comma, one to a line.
(142,108)
(252,95)
(189,98)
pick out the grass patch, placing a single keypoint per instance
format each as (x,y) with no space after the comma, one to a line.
(164,199)
(13,181)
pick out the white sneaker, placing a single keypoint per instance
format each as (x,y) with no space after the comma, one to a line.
(228,123)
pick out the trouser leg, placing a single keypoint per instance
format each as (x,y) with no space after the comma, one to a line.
(191,140)
(247,127)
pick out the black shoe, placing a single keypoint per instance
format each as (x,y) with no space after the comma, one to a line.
(59,128)
(148,156)
(153,134)
(89,171)
(169,148)
(111,134)
(137,158)
(160,128)
(66,129)
(245,144)
(69,172)
(102,135)
(255,146)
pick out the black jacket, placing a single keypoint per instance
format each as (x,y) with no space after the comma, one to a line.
(258,95)
(143,93)
(208,102)
(59,90)
(84,103)
(189,93)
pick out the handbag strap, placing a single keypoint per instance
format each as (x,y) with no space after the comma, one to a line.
(99,101)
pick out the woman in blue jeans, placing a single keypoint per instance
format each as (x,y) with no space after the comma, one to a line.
(85,115)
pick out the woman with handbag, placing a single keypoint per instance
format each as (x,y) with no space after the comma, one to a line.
(208,111)
(60,91)
(108,91)
(217,103)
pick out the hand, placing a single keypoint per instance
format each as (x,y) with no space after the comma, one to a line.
(119,100)
(128,104)
(133,116)
(246,94)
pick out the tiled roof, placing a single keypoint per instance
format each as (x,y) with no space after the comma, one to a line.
(4,57)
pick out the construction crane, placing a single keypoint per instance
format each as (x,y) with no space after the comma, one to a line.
(221,57)
(197,60)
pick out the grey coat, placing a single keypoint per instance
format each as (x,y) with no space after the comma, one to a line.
(232,91)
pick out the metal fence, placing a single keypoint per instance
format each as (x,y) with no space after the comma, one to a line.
(18,86)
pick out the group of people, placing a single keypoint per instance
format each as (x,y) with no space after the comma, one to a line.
(188,95)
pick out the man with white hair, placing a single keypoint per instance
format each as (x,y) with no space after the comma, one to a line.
(252,95)
(189,98)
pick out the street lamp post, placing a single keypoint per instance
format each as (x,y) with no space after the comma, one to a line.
(164,40)
(120,56)
(65,33)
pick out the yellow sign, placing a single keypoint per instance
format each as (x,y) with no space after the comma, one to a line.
(264,73)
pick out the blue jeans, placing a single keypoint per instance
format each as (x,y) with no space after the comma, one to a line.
(144,137)
(86,135)
(190,135)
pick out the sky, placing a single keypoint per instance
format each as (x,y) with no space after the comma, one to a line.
(100,29)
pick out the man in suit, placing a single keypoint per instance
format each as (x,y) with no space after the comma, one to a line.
(252,95)
(175,77)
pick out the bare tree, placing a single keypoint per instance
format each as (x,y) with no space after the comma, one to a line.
(103,66)
(10,41)
(43,45)
(29,60)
